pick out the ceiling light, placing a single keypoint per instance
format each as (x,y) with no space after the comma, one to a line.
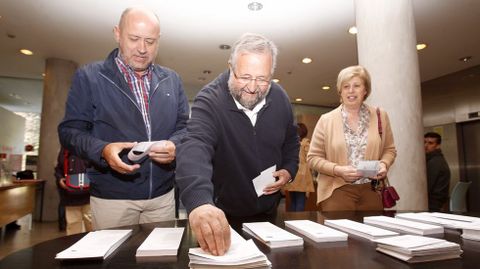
(26,52)
(43,74)
(421,46)
(224,47)
(465,59)
(276,80)
(326,87)
(255,6)
(306,60)
(207,72)
(298,99)
(353,30)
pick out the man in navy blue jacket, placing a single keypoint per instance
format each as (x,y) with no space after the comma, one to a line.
(114,103)
(241,124)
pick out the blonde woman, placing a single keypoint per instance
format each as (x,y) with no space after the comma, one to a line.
(345,136)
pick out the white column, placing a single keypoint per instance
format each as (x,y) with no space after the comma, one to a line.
(386,47)
(57,81)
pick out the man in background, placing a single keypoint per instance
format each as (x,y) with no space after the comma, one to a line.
(438,172)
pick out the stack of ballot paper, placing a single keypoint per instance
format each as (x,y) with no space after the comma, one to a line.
(471,231)
(161,242)
(95,245)
(271,235)
(264,179)
(415,248)
(359,229)
(426,217)
(315,231)
(241,254)
(403,226)
(454,217)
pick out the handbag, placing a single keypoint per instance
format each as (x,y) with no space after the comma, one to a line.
(76,183)
(389,194)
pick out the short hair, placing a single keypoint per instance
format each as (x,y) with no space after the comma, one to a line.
(254,43)
(351,72)
(437,136)
(302,130)
(129,9)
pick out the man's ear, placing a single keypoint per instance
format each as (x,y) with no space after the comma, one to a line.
(116,33)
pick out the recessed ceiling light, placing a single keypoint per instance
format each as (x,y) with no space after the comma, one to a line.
(255,6)
(26,52)
(306,60)
(276,80)
(43,74)
(465,59)
(421,46)
(298,99)
(207,72)
(353,30)
(326,87)
(224,47)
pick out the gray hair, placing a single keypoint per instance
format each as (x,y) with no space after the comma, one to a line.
(254,43)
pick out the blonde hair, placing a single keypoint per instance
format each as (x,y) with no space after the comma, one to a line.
(354,71)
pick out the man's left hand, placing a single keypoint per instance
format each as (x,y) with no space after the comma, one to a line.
(163,152)
(283,177)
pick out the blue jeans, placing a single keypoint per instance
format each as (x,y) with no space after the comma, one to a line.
(297,201)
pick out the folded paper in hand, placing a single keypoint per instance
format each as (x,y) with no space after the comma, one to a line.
(368,168)
(141,150)
(265,178)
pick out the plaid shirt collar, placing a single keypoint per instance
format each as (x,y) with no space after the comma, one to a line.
(128,70)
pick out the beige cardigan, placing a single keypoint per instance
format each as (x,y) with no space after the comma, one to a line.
(303,180)
(328,148)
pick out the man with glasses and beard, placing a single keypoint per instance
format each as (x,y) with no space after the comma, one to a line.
(241,124)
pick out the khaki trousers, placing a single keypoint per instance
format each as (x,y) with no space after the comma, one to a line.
(353,197)
(108,213)
(79,219)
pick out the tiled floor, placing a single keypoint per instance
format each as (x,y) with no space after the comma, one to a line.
(18,239)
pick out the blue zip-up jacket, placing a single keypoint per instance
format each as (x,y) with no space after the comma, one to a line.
(102,109)
(222,152)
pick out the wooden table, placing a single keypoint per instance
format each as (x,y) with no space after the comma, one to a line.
(355,253)
(17,199)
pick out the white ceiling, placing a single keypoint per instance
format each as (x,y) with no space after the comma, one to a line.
(192,30)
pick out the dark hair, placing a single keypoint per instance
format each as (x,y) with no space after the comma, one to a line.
(302,130)
(434,135)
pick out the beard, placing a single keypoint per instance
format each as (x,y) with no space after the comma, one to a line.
(246,99)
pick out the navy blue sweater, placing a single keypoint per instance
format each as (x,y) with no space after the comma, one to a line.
(222,152)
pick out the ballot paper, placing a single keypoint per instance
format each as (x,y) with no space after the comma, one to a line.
(403,225)
(368,168)
(316,231)
(359,229)
(241,254)
(272,235)
(95,245)
(161,242)
(265,178)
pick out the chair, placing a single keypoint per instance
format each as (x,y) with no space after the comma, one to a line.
(458,199)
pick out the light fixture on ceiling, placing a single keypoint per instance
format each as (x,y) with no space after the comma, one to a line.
(298,99)
(206,72)
(306,60)
(421,46)
(326,87)
(353,30)
(12,36)
(224,47)
(255,6)
(276,80)
(26,52)
(465,59)
(43,74)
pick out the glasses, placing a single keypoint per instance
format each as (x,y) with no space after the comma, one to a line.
(247,79)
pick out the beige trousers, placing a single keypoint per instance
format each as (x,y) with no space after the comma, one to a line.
(108,213)
(79,219)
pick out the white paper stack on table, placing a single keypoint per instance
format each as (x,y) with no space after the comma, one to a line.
(359,229)
(271,235)
(426,217)
(403,226)
(241,254)
(415,248)
(161,242)
(316,231)
(95,245)
(454,217)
